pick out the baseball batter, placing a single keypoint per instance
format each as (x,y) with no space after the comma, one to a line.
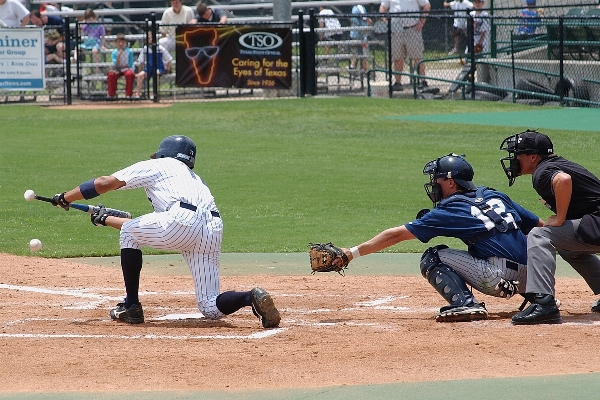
(185,219)
(489,222)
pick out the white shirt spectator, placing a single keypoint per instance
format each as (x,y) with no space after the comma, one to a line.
(460,12)
(13,14)
(405,6)
(332,25)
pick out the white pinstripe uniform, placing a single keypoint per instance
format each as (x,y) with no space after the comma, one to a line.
(173,189)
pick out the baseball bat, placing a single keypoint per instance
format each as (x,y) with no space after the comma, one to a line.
(90,209)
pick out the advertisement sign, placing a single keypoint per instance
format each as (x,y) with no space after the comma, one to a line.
(22,59)
(234,56)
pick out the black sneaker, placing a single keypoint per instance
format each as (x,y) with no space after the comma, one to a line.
(264,308)
(543,310)
(397,87)
(131,315)
(473,312)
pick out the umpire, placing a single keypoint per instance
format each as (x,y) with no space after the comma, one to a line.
(573,194)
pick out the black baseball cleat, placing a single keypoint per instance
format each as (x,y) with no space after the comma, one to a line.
(132,315)
(264,308)
(542,310)
(596,306)
(472,312)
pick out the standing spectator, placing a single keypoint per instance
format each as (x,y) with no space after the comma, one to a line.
(333,28)
(529,19)
(459,28)
(205,13)
(407,35)
(122,60)
(13,14)
(96,36)
(174,15)
(360,20)
(53,35)
(573,194)
(481,28)
(146,69)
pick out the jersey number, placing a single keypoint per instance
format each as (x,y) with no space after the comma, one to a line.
(498,206)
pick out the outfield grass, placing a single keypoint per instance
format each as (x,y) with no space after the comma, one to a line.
(283,172)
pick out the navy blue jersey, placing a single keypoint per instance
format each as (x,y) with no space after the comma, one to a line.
(459,219)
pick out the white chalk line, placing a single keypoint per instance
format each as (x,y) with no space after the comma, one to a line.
(376,304)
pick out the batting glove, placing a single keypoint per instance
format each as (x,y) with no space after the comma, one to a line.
(99,217)
(59,201)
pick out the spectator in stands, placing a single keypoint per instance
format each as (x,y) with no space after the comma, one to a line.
(175,15)
(332,26)
(359,19)
(407,35)
(459,27)
(205,13)
(122,60)
(54,38)
(481,28)
(96,36)
(529,19)
(163,60)
(13,14)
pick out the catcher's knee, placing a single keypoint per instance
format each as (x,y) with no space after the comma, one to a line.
(431,258)
(444,279)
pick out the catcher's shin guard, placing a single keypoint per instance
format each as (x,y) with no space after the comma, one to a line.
(445,280)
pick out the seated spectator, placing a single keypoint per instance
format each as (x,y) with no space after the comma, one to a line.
(206,14)
(360,20)
(529,20)
(54,38)
(333,28)
(175,15)
(96,36)
(163,60)
(122,65)
(13,14)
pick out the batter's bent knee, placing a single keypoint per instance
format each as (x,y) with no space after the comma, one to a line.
(209,309)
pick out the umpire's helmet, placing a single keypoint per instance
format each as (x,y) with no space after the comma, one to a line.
(179,147)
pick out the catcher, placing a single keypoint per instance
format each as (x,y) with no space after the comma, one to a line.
(489,222)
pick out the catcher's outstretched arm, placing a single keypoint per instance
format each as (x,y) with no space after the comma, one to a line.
(381,241)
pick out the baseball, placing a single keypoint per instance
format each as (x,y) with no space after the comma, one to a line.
(29,195)
(35,245)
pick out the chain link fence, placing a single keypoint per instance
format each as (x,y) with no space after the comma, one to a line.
(553,59)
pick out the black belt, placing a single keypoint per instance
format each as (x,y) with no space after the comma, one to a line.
(408,27)
(194,208)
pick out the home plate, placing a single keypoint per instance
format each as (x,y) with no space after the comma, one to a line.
(170,317)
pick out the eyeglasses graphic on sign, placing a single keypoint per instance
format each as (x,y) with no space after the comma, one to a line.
(202,59)
(202,54)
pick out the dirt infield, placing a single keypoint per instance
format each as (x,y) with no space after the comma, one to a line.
(56,334)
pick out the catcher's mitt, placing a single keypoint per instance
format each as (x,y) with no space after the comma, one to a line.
(478,48)
(322,256)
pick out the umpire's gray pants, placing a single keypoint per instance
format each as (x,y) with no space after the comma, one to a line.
(542,245)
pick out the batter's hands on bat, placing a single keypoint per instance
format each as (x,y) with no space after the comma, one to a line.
(59,201)
(99,217)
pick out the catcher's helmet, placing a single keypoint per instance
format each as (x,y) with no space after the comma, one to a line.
(451,166)
(528,142)
(179,147)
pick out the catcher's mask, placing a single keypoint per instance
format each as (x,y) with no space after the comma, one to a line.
(451,166)
(528,142)
(179,147)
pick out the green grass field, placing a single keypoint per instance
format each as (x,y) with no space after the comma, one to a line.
(283,172)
